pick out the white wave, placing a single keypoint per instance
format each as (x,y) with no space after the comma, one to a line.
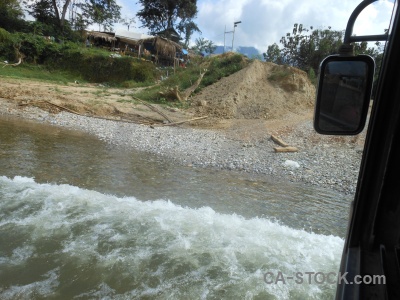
(156,247)
(30,291)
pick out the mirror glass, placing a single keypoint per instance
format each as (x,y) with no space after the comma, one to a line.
(344,91)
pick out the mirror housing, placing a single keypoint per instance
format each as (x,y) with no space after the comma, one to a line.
(343,94)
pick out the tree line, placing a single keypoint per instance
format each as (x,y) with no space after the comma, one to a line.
(67,19)
(305,48)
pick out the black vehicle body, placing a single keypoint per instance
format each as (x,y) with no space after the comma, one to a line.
(372,246)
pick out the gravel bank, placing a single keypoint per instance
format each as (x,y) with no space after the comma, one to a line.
(323,161)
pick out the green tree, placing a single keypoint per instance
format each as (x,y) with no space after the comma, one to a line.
(101,12)
(45,10)
(203,45)
(11,15)
(60,6)
(210,47)
(81,22)
(273,54)
(159,15)
(47,22)
(42,11)
(127,21)
(200,44)
(306,48)
(188,28)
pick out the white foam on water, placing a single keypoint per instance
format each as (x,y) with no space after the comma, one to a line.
(33,290)
(21,254)
(105,246)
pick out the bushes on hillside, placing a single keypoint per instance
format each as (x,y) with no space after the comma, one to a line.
(223,66)
(93,65)
(98,68)
(6,45)
(33,48)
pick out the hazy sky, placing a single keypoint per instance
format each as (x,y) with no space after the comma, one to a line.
(264,22)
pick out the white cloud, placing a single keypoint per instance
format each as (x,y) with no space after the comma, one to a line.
(264,22)
(374,19)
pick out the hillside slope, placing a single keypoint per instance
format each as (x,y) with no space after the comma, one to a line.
(260,91)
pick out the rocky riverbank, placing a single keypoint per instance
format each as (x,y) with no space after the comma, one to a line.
(331,162)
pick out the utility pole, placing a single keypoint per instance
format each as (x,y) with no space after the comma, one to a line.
(233,33)
(224,37)
(225,32)
(234,26)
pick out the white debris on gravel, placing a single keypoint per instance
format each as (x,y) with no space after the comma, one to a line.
(334,166)
(291,164)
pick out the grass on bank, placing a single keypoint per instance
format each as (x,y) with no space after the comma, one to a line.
(96,66)
(215,68)
(39,73)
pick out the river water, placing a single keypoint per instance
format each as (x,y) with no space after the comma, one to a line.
(81,219)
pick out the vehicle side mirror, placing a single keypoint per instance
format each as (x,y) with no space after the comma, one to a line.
(343,94)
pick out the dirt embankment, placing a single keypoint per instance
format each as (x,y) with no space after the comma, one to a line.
(260,91)
(259,99)
(85,99)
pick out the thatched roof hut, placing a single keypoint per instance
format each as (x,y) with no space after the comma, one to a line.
(107,37)
(169,34)
(161,49)
(132,38)
(159,45)
(166,47)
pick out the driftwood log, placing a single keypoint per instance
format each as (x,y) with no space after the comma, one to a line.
(279,141)
(78,113)
(18,54)
(13,65)
(110,119)
(284,146)
(53,104)
(153,108)
(174,93)
(286,149)
(185,121)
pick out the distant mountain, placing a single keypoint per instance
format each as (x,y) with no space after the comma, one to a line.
(250,52)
